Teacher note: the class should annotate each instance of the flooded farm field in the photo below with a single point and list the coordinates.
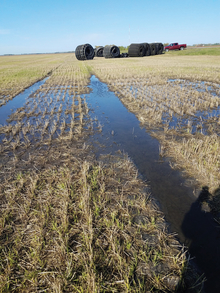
(115, 148)
(120, 130)
(177, 195)
(18, 101)
(182, 113)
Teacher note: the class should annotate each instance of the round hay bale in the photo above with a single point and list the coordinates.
(136, 50)
(153, 49)
(99, 51)
(84, 52)
(147, 49)
(159, 48)
(111, 51)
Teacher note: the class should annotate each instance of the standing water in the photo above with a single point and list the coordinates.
(18, 101)
(121, 130)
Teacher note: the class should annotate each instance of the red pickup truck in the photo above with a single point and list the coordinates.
(174, 46)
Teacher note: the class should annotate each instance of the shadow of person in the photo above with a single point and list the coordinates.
(203, 239)
(214, 204)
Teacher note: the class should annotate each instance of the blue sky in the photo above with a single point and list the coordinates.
(37, 26)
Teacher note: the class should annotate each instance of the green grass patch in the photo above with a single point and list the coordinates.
(196, 51)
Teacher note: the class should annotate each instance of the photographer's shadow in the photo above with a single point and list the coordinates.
(202, 231)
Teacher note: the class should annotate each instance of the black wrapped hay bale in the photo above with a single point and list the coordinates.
(136, 50)
(111, 52)
(147, 49)
(159, 48)
(153, 49)
(99, 51)
(84, 52)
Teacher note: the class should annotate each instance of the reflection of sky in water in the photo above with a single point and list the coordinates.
(121, 130)
(200, 86)
(199, 121)
(18, 101)
(50, 104)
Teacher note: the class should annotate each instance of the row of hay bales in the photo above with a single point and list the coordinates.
(87, 52)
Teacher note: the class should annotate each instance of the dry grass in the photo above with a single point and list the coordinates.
(88, 228)
(198, 155)
(19, 72)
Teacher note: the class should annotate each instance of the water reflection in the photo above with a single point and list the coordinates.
(18, 101)
(121, 130)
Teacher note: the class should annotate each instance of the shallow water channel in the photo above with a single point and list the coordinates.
(18, 101)
(177, 199)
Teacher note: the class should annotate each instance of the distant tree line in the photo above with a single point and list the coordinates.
(200, 45)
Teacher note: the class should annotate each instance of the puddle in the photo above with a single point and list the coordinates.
(121, 130)
(200, 119)
(200, 86)
(39, 115)
(18, 101)
(191, 106)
